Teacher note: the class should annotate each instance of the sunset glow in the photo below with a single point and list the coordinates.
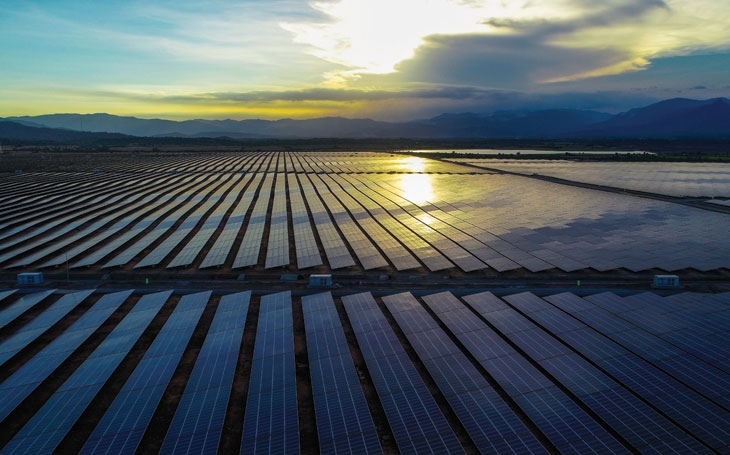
(379, 59)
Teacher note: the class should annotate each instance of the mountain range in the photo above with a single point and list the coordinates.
(676, 118)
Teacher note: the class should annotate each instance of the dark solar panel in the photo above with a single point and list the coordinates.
(416, 421)
(271, 423)
(344, 423)
(25, 380)
(49, 425)
(126, 419)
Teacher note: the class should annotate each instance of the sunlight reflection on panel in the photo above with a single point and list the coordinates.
(416, 188)
(425, 218)
(413, 164)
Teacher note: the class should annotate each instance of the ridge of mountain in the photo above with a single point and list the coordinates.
(672, 118)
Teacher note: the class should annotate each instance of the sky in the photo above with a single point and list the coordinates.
(389, 60)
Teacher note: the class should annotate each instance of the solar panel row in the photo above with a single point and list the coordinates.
(491, 424)
(127, 417)
(344, 424)
(198, 421)
(271, 422)
(277, 248)
(248, 252)
(599, 374)
(191, 220)
(41, 323)
(45, 430)
(416, 420)
(26, 379)
(20, 306)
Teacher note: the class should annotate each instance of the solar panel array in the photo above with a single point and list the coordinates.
(198, 421)
(418, 424)
(48, 426)
(492, 425)
(20, 306)
(434, 373)
(24, 381)
(344, 423)
(41, 323)
(673, 179)
(362, 210)
(271, 422)
(128, 416)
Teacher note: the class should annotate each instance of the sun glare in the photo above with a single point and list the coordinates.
(372, 37)
(413, 164)
(416, 188)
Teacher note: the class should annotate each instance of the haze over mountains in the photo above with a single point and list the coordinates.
(673, 118)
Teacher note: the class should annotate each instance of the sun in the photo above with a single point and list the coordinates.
(374, 36)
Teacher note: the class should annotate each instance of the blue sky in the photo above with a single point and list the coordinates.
(383, 59)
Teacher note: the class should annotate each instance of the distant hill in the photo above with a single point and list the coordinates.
(20, 132)
(674, 118)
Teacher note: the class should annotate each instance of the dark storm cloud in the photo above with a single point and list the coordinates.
(509, 62)
(522, 54)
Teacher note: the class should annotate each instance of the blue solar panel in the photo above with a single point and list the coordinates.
(416, 420)
(127, 417)
(49, 425)
(21, 384)
(673, 398)
(38, 326)
(564, 422)
(20, 306)
(344, 423)
(642, 426)
(591, 385)
(554, 413)
(271, 423)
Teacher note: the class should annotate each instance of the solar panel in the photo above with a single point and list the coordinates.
(391, 247)
(560, 419)
(212, 196)
(306, 244)
(277, 250)
(41, 323)
(49, 425)
(20, 306)
(192, 248)
(21, 384)
(93, 234)
(344, 423)
(248, 252)
(7, 293)
(386, 214)
(337, 253)
(416, 420)
(128, 416)
(626, 406)
(656, 387)
(271, 423)
(491, 424)
(366, 252)
(180, 204)
(223, 244)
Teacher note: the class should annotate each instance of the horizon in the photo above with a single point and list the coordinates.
(522, 111)
(347, 58)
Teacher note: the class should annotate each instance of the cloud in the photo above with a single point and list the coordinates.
(583, 39)
(397, 105)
